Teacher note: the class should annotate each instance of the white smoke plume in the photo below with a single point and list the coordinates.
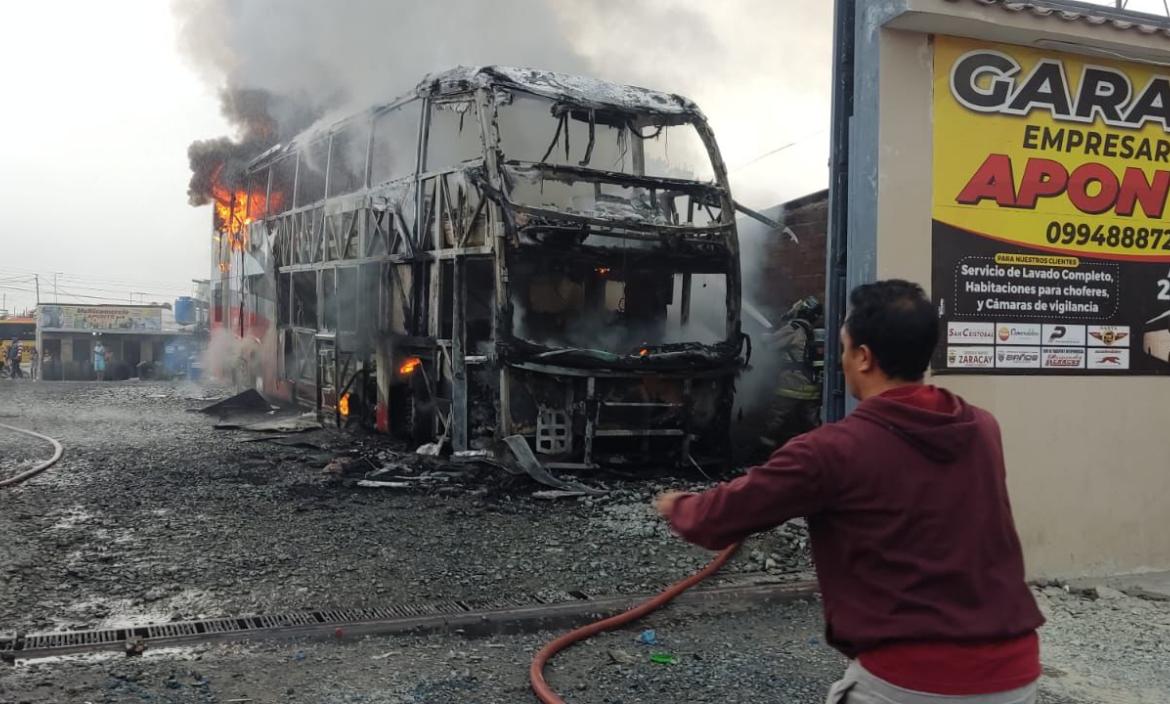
(758, 68)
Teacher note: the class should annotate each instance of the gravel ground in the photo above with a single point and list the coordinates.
(772, 654)
(153, 515)
(768, 655)
(1105, 646)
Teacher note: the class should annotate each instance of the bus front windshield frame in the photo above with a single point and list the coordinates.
(608, 164)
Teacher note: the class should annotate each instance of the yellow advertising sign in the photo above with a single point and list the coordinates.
(1050, 240)
(100, 318)
(1055, 152)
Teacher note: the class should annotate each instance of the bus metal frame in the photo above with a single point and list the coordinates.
(392, 267)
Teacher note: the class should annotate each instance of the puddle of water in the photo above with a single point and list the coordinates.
(124, 613)
(173, 653)
(71, 518)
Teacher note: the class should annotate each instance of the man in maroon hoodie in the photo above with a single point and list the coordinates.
(912, 535)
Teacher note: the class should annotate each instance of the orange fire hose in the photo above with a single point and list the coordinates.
(536, 672)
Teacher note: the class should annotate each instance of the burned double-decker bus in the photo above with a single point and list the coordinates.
(500, 252)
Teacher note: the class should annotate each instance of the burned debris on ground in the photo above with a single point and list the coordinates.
(152, 515)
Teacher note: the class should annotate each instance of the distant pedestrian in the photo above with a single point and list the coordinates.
(34, 364)
(14, 360)
(99, 360)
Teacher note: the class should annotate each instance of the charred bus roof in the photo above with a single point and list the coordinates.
(589, 93)
(579, 90)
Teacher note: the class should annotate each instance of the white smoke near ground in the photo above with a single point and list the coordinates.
(757, 384)
(221, 353)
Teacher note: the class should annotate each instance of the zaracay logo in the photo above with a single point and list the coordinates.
(989, 81)
(970, 357)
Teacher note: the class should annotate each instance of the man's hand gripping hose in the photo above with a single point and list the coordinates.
(536, 672)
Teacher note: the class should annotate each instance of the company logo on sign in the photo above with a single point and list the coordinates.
(970, 358)
(1105, 358)
(1056, 358)
(1017, 357)
(1108, 335)
(1018, 334)
(971, 333)
(1059, 334)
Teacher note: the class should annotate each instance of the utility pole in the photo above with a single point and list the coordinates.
(37, 280)
(55, 273)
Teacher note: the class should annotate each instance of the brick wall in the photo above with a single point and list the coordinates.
(777, 271)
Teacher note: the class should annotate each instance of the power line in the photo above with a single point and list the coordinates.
(121, 291)
(84, 278)
(777, 150)
(71, 294)
(128, 290)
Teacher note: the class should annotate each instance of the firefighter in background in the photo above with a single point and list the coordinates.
(796, 406)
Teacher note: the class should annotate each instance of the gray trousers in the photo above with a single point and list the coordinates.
(860, 686)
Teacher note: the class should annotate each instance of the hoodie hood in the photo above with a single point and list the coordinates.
(937, 423)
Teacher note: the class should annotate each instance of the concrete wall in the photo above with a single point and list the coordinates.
(1088, 457)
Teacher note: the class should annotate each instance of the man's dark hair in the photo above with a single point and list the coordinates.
(898, 323)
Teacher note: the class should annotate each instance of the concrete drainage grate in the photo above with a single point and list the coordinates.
(505, 612)
(42, 644)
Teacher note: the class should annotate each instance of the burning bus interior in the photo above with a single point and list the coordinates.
(503, 251)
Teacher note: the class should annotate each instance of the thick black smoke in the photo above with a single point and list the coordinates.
(253, 112)
(280, 65)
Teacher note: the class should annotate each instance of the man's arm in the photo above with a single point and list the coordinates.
(789, 484)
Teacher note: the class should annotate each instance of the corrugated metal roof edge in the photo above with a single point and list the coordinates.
(1071, 11)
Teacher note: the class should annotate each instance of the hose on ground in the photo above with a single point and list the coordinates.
(57, 452)
(542, 689)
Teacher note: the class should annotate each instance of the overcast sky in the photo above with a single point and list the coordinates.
(100, 104)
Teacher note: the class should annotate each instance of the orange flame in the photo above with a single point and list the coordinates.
(343, 405)
(409, 365)
(236, 208)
